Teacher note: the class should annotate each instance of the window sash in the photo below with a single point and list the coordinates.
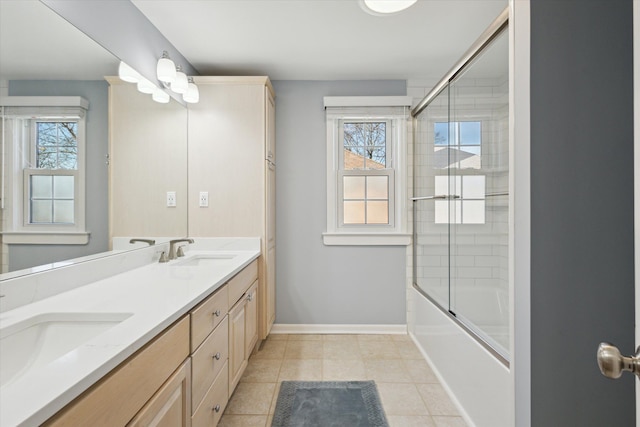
(390, 174)
(27, 198)
(389, 130)
(33, 146)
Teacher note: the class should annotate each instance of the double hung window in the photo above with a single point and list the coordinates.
(366, 170)
(44, 172)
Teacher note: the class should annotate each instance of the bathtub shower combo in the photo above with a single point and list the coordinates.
(459, 304)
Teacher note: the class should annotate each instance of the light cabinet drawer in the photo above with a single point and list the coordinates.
(208, 360)
(206, 316)
(239, 284)
(215, 401)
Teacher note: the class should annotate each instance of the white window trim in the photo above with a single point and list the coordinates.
(16, 230)
(368, 107)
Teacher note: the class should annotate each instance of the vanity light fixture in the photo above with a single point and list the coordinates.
(128, 74)
(181, 84)
(387, 6)
(145, 86)
(192, 95)
(159, 95)
(166, 69)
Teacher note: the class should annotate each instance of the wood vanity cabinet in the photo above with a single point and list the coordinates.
(232, 156)
(222, 339)
(184, 376)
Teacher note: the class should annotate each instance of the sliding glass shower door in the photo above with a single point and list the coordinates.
(461, 187)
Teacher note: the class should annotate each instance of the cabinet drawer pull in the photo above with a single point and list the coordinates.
(217, 356)
(216, 313)
(216, 408)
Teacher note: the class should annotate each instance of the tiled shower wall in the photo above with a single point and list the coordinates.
(478, 270)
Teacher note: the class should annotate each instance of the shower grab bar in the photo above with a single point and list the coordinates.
(496, 194)
(440, 197)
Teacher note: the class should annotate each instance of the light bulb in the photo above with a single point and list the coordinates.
(160, 96)
(128, 74)
(166, 69)
(181, 84)
(145, 86)
(192, 95)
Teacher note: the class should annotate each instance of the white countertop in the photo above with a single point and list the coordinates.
(155, 294)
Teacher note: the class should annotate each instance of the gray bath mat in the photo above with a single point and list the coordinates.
(329, 404)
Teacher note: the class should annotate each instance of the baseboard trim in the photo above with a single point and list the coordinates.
(284, 328)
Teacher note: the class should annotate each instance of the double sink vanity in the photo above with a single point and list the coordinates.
(141, 342)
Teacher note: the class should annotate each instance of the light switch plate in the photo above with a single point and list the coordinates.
(171, 199)
(204, 199)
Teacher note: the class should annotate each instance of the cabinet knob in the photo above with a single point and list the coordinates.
(216, 313)
(216, 356)
(216, 408)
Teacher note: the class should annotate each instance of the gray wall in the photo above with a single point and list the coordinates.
(96, 92)
(582, 280)
(318, 284)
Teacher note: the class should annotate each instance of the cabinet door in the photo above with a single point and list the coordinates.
(251, 319)
(171, 405)
(237, 359)
(270, 179)
(270, 303)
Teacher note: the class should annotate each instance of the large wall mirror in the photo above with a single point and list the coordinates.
(136, 149)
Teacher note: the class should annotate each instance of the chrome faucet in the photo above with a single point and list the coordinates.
(172, 247)
(150, 242)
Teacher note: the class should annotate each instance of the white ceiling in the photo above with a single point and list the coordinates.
(284, 39)
(320, 39)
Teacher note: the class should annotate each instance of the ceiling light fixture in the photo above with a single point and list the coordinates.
(387, 6)
(182, 83)
(166, 69)
(128, 74)
(192, 95)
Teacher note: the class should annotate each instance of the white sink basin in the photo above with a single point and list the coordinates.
(204, 259)
(41, 339)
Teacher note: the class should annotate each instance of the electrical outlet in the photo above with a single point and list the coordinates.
(204, 199)
(171, 199)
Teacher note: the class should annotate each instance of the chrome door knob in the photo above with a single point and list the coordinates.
(612, 363)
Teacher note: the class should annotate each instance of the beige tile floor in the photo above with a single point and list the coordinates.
(411, 394)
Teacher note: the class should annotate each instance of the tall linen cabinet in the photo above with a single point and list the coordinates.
(231, 156)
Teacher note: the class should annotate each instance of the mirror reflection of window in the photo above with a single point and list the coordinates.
(458, 146)
(51, 188)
